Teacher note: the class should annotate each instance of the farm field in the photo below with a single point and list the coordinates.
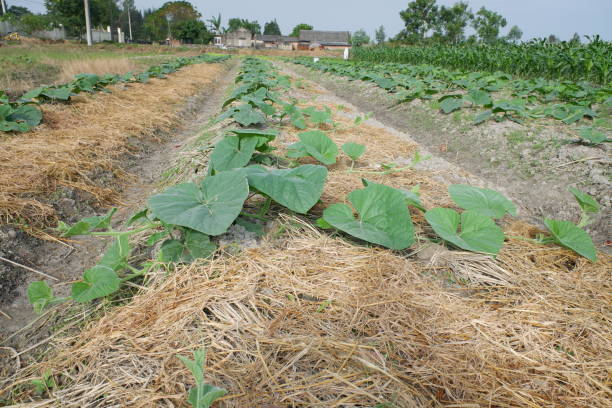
(32, 63)
(331, 233)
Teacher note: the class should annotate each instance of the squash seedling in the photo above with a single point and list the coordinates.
(354, 151)
(203, 395)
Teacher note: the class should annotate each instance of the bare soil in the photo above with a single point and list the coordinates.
(533, 164)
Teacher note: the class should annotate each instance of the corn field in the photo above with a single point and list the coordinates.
(566, 60)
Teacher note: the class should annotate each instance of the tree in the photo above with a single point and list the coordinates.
(419, 17)
(380, 35)
(35, 22)
(18, 11)
(215, 24)
(514, 34)
(552, 39)
(272, 28)
(359, 38)
(71, 13)
(300, 27)
(575, 39)
(192, 31)
(487, 24)
(452, 21)
(236, 23)
(161, 23)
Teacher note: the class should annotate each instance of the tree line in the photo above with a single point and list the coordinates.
(173, 20)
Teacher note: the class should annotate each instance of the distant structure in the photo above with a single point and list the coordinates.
(327, 40)
(308, 40)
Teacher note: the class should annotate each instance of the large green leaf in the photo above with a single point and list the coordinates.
(383, 217)
(210, 207)
(263, 136)
(353, 150)
(97, 282)
(319, 146)
(116, 256)
(570, 236)
(481, 200)
(451, 104)
(298, 189)
(318, 116)
(247, 116)
(479, 97)
(469, 231)
(233, 152)
(29, 114)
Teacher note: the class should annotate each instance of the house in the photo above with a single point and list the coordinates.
(239, 38)
(282, 42)
(328, 40)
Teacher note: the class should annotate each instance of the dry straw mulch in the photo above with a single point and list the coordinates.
(80, 144)
(390, 333)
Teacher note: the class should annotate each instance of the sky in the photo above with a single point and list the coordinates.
(536, 18)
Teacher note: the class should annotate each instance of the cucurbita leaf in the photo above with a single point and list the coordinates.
(97, 282)
(469, 231)
(29, 114)
(40, 295)
(232, 152)
(586, 202)
(383, 217)
(298, 189)
(570, 236)
(88, 224)
(194, 245)
(319, 146)
(353, 150)
(481, 200)
(209, 207)
(449, 105)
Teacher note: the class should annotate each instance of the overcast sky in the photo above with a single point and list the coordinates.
(537, 18)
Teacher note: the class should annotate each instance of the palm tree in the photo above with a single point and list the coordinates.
(215, 24)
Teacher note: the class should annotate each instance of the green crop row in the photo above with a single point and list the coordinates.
(572, 61)
(494, 96)
(23, 114)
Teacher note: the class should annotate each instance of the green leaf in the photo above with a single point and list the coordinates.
(318, 116)
(570, 236)
(298, 121)
(116, 256)
(449, 105)
(481, 200)
(412, 197)
(353, 150)
(40, 295)
(194, 245)
(591, 136)
(29, 114)
(469, 231)
(319, 146)
(97, 282)
(255, 228)
(88, 224)
(233, 152)
(479, 97)
(586, 202)
(483, 117)
(62, 94)
(298, 189)
(205, 395)
(247, 116)
(263, 137)
(383, 217)
(210, 207)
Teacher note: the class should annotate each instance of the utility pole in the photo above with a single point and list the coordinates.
(129, 12)
(87, 23)
(3, 6)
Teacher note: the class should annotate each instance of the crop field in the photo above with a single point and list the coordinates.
(276, 231)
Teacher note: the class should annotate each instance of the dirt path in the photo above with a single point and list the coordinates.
(68, 261)
(530, 163)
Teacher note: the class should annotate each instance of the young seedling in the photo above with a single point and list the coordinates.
(354, 151)
(44, 384)
(203, 395)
